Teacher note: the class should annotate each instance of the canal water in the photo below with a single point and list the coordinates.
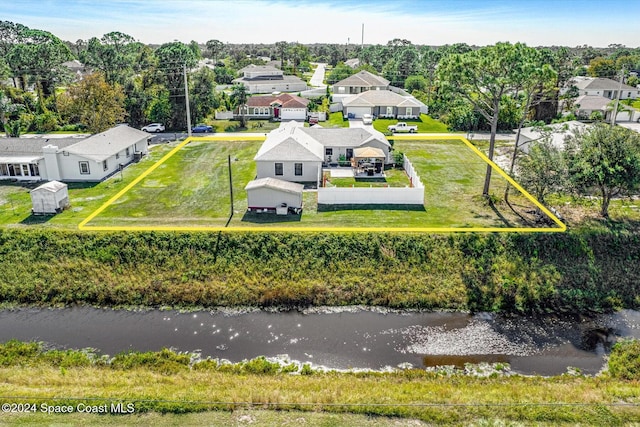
(336, 338)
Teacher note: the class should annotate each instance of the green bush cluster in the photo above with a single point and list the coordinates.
(624, 361)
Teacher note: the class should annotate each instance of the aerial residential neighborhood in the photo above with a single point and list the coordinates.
(319, 213)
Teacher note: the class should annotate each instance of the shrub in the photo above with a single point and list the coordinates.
(624, 361)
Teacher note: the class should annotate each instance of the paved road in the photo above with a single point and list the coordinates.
(318, 76)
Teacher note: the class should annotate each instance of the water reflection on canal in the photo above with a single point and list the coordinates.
(336, 338)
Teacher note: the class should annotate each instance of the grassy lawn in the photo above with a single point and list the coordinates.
(192, 189)
(393, 178)
(220, 126)
(336, 120)
(425, 125)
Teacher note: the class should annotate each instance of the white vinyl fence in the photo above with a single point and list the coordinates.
(376, 195)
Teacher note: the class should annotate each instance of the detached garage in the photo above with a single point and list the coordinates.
(49, 198)
(269, 194)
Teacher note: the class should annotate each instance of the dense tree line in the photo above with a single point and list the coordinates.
(151, 78)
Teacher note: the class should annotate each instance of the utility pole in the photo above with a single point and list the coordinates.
(614, 113)
(362, 41)
(186, 99)
(230, 188)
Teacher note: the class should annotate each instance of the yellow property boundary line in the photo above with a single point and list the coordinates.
(561, 227)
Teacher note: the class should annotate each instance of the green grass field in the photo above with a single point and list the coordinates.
(191, 189)
(425, 125)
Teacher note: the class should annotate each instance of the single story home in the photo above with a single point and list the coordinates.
(557, 134)
(284, 106)
(587, 104)
(268, 79)
(297, 153)
(271, 193)
(359, 82)
(87, 159)
(381, 103)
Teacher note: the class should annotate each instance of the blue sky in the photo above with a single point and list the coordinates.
(535, 22)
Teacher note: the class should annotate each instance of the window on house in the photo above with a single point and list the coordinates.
(35, 170)
(4, 170)
(127, 152)
(105, 166)
(25, 170)
(279, 169)
(84, 168)
(16, 169)
(328, 151)
(389, 111)
(409, 111)
(629, 95)
(117, 156)
(298, 169)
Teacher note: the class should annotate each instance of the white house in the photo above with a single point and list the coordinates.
(381, 103)
(297, 153)
(272, 193)
(587, 104)
(268, 79)
(359, 82)
(89, 159)
(284, 106)
(557, 133)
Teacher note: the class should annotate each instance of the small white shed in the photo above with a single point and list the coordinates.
(268, 194)
(49, 198)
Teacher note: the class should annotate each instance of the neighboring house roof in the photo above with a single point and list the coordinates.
(259, 68)
(285, 100)
(599, 83)
(307, 144)
(28, 147)
(380, 98)
(353, 63)
(103, 145)
(51, 186)
(558, 132)
(363, 79)
(275, 184)
(594, 102)
(269, 80)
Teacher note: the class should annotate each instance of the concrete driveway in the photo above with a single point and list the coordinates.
(357, 123)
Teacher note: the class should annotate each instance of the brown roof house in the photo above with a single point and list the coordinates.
(279, 107)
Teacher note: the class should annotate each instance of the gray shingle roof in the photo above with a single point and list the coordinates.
(276, 184)
(269, 79)
(600, 83)
(379, 98)
(363, 79)
(26, 146)
(103, 145)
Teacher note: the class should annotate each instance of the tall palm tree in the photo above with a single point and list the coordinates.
(239, 99)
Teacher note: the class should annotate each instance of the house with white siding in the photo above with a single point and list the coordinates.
(599, 86)
(381, 103)
(297, 154)
(88, 159)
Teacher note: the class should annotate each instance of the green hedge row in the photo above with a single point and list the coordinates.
(576, 271)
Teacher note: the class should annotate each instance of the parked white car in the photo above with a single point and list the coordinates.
(154, 128)
(402, 127)
(367, 119)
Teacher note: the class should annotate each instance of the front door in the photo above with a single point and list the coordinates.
(349, 153)
(276, 112)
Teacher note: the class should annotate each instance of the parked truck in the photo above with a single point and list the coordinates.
(402, 127)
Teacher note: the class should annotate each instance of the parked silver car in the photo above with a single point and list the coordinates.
(154, 128)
